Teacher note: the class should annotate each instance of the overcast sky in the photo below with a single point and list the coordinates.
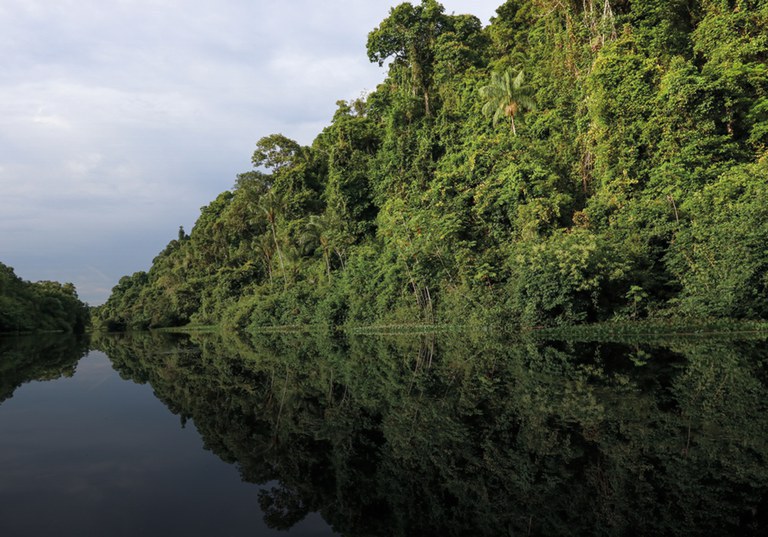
(119, 119)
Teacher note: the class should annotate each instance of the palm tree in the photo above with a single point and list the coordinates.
(507, 96)
(272, 205)
(266, 246)
(317, 230)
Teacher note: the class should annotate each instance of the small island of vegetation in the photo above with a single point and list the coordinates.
(571, 162)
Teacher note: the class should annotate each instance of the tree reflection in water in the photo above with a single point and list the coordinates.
(38, 357)
(468, 435)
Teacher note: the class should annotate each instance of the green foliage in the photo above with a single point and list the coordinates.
(409, 36)
(507, 96)
(45, 305)
(721, 257)
(570, 278)
(626, 195)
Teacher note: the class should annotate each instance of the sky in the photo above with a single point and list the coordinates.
(120, 119)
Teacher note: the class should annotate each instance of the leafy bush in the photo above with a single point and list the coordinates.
(721, 256)
(571, 277)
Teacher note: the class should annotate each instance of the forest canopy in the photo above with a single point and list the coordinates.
(573, 161)
(39, 306)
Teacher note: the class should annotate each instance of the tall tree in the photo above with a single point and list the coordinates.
(409, 36)
(271, 205)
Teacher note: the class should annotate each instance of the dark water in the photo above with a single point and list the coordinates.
(425, 435)
(91, 454)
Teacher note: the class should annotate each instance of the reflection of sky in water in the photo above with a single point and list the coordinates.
(96, 455)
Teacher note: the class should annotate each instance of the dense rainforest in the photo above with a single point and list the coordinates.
(574, 161)
(39, 306)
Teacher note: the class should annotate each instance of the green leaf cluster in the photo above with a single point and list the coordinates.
(39, 306)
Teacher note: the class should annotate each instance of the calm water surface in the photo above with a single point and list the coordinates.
(424, 435)
(91, 454)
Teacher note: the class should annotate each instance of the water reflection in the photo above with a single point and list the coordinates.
(91, 454)
(39, 357)
(476, 436)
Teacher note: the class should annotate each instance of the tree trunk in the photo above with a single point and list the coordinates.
(279, 254)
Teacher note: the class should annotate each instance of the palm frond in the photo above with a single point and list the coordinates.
(506, 96)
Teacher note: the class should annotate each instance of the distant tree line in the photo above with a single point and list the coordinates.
(573, 161)
(40, 306)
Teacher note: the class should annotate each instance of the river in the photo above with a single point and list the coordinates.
(447, 434)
